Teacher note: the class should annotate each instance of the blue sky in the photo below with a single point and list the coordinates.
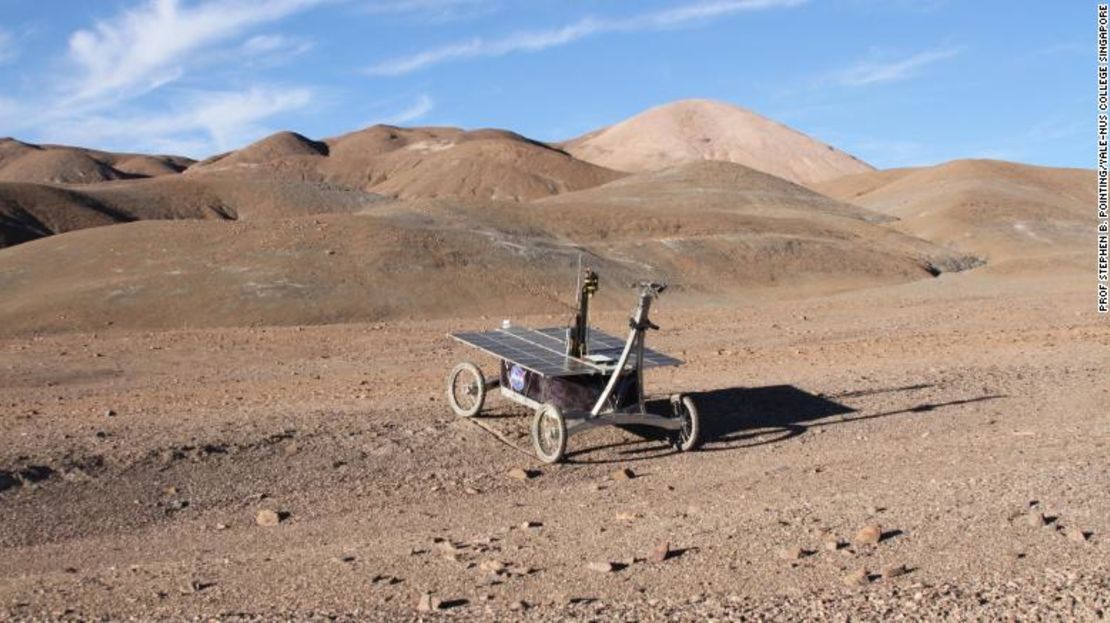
(895, 82)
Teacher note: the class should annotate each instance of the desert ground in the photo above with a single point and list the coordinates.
(224, 382)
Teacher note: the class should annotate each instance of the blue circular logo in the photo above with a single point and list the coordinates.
(516, 378)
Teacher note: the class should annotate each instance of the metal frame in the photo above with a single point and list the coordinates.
(581, 421)
(585, 393)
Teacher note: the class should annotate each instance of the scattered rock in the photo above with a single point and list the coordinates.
(831, 543)
(428, 603)
(530, 524)
(492, 566)
(869, 535)
(661, 553)
(892, 571)
(858, 577)
(110, 413)
(267, 517)
(625, 516)
(472, 491)
(1077, 535)
(601, 567)
(623, 474)
(792, 553)
(1035, 519)
(517, 473)
(518, 606)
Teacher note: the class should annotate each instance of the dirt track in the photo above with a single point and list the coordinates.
(944, 410)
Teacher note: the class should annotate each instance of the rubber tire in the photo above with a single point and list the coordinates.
(466, 366)
(561, 424)
(693, 440)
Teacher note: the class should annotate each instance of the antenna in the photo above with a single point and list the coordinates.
(578, 280)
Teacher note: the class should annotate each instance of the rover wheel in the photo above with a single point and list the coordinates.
(466, 389)
(549, 434)
(689, 436)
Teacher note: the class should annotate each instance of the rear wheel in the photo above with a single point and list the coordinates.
(688, 437)
(549, 434)
(466, 389)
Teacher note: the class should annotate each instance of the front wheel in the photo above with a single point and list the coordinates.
(549, 434)
(687, 438)
(466, 389)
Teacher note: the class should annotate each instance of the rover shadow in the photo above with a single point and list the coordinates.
(744, 417)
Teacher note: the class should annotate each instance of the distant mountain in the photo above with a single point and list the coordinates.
(59, 164)
(696, 129)
(417, 163)
(995, 209)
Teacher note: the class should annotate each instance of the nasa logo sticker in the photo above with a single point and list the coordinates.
(516, 378)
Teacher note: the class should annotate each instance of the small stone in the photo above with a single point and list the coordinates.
(601, 567)
(831, 543)
(428, 603)
(1077, 535)
(518, 606)
(856, 578)
(892, 571)
(472, 491)
(661, 553)
(792, 553)
(492, 566)
(625, 516)
(869, 535)
(267, 518)
(1035, 519)
(623, 474)
(110, 413)
(517, 473)
(221, 526)
(527, 525)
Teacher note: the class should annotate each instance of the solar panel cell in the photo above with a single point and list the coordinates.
(544, 351)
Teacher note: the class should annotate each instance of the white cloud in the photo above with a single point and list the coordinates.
(532, 41)
(201, 124)
(146, 47)
(421, 107)
(8, 51)
(875, 72)
(436, 8)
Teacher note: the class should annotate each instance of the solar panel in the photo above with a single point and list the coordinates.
(601, 343)
(544, 351)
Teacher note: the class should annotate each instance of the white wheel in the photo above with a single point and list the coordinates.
(466, 389)
(549, 434)
(689, 436)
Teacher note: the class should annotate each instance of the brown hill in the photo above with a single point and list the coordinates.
(60, 164)
(30, 211)
(715, 231)
(418, 162)
(999, 210)
(736, 227)
(691, 130)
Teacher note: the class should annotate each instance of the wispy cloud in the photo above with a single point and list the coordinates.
(115, 91)
(417, 110)
(200, 122)
(879, 71)
(436, 9)
(8, 51)
(151, 45)
(533, 41)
